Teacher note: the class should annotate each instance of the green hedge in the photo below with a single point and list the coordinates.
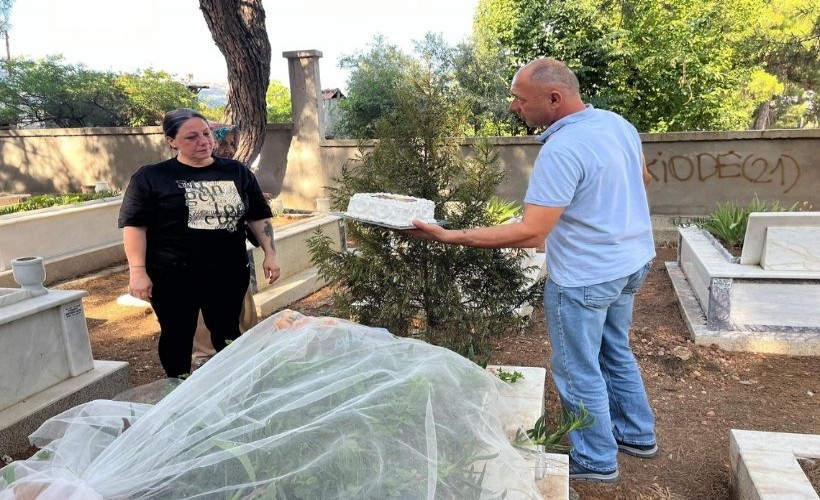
(51, 200)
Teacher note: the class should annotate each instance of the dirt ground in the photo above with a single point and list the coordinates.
(699, 393)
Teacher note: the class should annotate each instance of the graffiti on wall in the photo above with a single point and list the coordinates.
(782, 171)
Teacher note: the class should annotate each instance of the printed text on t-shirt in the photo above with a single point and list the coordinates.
(212, 204)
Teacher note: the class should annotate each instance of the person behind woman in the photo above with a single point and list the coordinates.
(183, 223)
(226, 138)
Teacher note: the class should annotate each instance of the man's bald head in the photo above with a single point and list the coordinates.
(549, 72)
(544, 91)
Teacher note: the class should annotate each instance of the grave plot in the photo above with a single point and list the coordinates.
(46, 359)
(766, 301)
(298, 407)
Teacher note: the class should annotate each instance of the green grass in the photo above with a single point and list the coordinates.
(51, 200)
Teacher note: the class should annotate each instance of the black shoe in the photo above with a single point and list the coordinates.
(638, 450)
(580, 473)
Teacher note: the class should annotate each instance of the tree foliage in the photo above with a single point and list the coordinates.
(674, 65)
(53, 93)
(671, 65)
(376, 76)
(452, 295)
(214, 114)
(475, 78)
(684, 65)
(279, 106)
(786, 43)
(62, 95)
(459, 72)
(150, 94)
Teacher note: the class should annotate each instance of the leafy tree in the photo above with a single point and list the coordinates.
(493, 30)
(486, 88)
(454, 296)
(786, 42)
(376, 76)
(238, 28)
(463, 74)
(671, 65)
(683, 66)
(150, 94)
(439, 61)
(278, 102)
(53, 93)
(796, 109)
(460, 73)
(5, 26)
(212, 113)
(763, 87)
(60, 95)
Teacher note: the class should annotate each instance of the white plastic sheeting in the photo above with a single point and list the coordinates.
(297, 408)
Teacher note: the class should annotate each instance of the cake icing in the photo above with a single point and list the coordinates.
(391, 209)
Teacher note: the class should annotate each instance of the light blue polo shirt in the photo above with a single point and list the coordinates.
(591, 164)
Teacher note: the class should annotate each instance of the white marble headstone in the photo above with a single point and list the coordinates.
(791, 249)
(760, 222)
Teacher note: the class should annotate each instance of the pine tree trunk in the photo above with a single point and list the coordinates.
(238, 28)
(763, 116)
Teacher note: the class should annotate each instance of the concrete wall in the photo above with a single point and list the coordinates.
(691, 171)
(63, 160)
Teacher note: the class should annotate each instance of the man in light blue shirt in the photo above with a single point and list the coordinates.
(587, 199)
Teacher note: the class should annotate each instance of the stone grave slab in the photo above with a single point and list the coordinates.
(765, 466)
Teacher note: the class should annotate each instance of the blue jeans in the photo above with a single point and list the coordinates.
(592, 364)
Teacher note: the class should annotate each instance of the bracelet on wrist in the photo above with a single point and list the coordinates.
(136, 266)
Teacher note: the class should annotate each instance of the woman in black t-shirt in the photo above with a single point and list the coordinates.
(183, 224)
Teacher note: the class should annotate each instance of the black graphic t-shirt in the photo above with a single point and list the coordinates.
(194, 217)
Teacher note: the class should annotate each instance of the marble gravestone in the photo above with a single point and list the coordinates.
(765, 301)
(783, 241)
(47, 362)
(45, 341)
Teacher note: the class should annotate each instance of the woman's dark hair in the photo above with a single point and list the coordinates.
(174, 119)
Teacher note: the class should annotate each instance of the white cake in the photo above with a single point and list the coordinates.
(390, 209)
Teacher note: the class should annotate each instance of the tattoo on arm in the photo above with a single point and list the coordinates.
(268, 230)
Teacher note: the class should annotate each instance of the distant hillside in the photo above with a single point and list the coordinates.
(215, 95)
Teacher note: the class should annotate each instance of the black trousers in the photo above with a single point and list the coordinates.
(178, 296)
